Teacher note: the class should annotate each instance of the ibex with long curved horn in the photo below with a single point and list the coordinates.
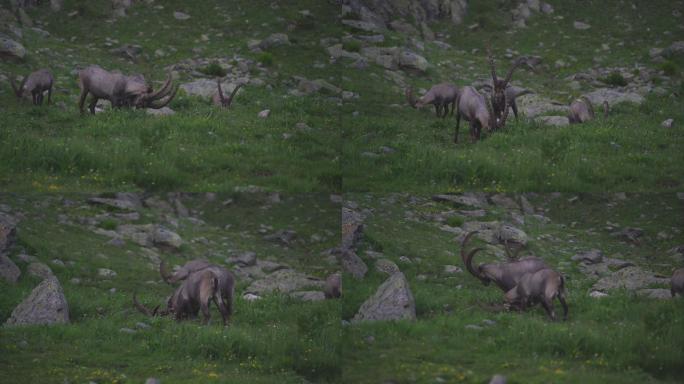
(36, 84)
(511, 94)
(581, 110)
(477, 110)
(441, 96)
(122, 90)
(543, 287)
(220, 100)
(333, 286)
(504, 275)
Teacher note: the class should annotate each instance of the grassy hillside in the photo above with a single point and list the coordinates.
(627, 151)
(200, 147)
(275, 339)
(463, 335)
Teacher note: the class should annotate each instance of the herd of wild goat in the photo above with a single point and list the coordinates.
(121, 90)
(489, 113)
(202, 283)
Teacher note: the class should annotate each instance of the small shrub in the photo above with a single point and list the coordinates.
(109, 224)
(454, 221)
(615, 79)
(669, 68)
(265, 58)
(213, 69)
(352, 46)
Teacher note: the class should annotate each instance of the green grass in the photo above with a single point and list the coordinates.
(618, 339)
(200, 148)
(276, 339)
(626, 151)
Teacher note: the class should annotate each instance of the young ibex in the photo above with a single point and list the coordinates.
(36, 84)
(441, 96)
(477, 110)
(226, 281)
(677, 282)
(220, 100)
(333, 286)
(543, 287)
(581, 110)
(504, 275)
(121, 90)
(193, 295)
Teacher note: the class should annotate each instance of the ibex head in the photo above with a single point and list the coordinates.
(141, 95)
(18, 91)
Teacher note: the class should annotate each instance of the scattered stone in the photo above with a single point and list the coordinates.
(250, 297)
(264, 114)
(498, 379)
(593, 256)
(554, 121)
(118, 203)
(474, 327)
(580, 25)
(488, 322)
(467, 199)
(152, 380)
(8, 270)
(353, 264)
(164, 111)
(628, 234)
(45, 305)
(141, 325)
(181, 16)
(597, 294)
(164, 238)
(106, 273)
(386, 266)
(128, 51)
(362, 25)
(39, 270)
(392, 301)
(244, 259)
(412, 60)
(667, 123)
(661, 294)
(274, 40)
(58, 262)
(284, 281)
(630, 278)
(308, 295)
(612, 96)
(283, 236)
(127, 330)
(452, 269)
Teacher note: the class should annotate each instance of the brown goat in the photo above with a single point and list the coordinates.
(36, 84)
(542, 286)
(121, 90)
(677, 282)
(441, 96)
(220, 100)
(498, 98)
(333, 286)
(477, 110)
(504, 275)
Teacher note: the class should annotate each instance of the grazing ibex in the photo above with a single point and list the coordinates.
(220, 100)
(441, 96)
(677, 282)
(121, 90)
(542, 286)
(226, 281)
(333, 286)
(194, 294)
(511, 93)
(504, 275)
(36, 84)
(582, 111)
(477, 110)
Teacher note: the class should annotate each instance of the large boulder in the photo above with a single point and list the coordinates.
(410, 60)
(284, 281)
(207, 87)
(630, 278)
(8, 270)
(382, 12)
(45, 305)
(353, 264)
(392, 301)
(613, 97)
(10, 49)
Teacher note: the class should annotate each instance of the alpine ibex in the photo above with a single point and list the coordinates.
(441, 96)
(581, 110)
(36, 84)
(504, 275)
(220, 100)
(226, 281)
(499, 100)
(194, 294)
(477, 110)
(333, 286)
(677, 282)
(121, 90)
(542, 286)
(511, 93)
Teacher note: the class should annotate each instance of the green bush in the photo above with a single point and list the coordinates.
(109, 224)
(265, 58)
(454, 221)
(213, 69)
(615, 79)
(352, 46)
(669, 68)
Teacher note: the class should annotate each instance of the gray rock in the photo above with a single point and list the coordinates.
(466, 199)
(474, 327)
(410, 60)
(580, 25)
(546, 8)
(56, 5)
(283, 236)
(152, 380)
(452, 269)
(264, 114)
(504, 201)
(630, 278)
(164, 238)
(628, 234)
(308, 295)
(667, 123)
(127, 330)
(8, 231)
(392, 301)
(352, 228)
(122, 204)
(386, 266)
(498, 379)
(39, 270)
(597, 294)
(181, 16)
(164, 111)
(244, 259)
(613, 97)
(128, 51)
(535, 105)
(45, 305)
(661, 294)
(677, 48)
(593, 256)
(106, 273)
(207, 87)
(336, 51)
(554, 121)
(284, 281)
(274, 40)
(8, 270)
(353, 264)
(362, 25)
